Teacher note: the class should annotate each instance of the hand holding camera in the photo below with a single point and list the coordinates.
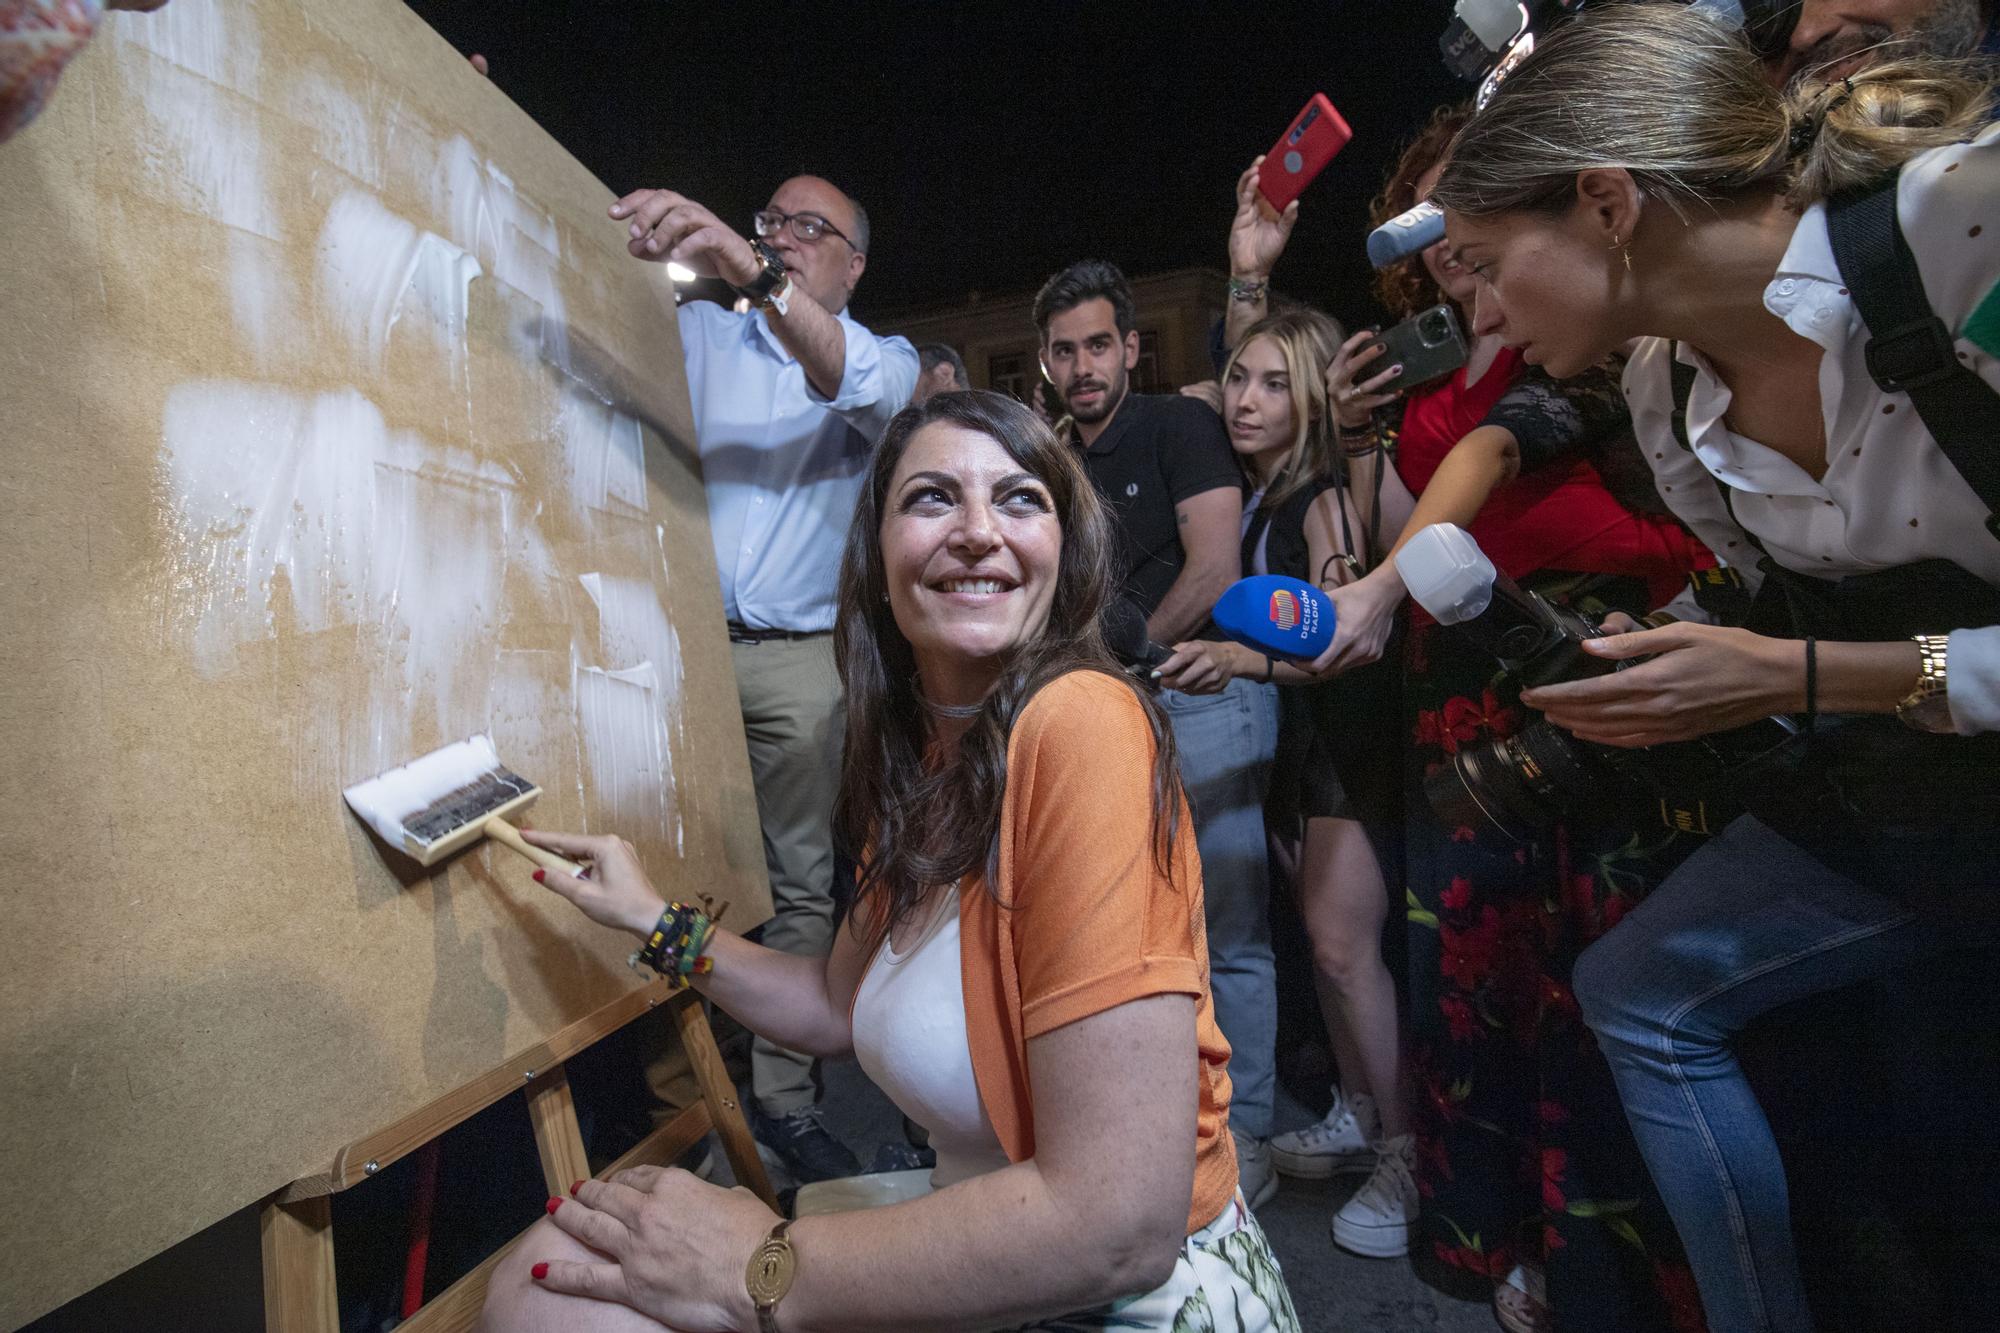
(1701, 679)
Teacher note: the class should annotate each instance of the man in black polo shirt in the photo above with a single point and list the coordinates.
(1165, 465)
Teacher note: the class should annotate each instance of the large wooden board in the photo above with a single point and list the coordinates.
(338, 425)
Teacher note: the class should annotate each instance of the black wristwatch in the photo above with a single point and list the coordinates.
(759, 288)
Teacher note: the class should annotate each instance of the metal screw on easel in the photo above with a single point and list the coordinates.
(371, 1168)
(528, 1077)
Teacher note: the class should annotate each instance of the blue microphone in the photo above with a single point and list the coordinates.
(1284, 617)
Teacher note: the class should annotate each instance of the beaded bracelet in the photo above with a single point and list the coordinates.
(1248, 289)
(678, 947)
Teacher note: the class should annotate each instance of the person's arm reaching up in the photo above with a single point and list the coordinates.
(668, 226)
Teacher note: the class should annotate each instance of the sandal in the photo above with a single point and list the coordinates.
(1520, 1302)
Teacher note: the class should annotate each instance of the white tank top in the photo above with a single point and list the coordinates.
(909, 1036)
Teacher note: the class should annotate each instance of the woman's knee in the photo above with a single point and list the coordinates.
(516, 1303)
(1346, 957)
(1602, 981)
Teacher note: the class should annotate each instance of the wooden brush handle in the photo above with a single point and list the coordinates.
(501, 831)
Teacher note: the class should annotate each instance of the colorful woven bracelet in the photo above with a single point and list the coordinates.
(678, 944)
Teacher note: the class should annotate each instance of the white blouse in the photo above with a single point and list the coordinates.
(1889, 495)
(909, 1038)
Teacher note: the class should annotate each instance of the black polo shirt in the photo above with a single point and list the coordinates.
(1158, 450)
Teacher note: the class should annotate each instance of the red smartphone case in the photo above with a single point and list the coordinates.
(1315, 135)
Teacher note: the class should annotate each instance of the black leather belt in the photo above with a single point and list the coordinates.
(744, 634)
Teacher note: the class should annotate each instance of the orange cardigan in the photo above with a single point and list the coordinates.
(1090, 923)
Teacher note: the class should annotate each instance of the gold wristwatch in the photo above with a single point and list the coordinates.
(770, 1275)
(1928, 707)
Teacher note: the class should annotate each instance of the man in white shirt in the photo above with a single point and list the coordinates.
(789, 399)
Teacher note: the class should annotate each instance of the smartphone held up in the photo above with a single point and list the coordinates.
(1315, 135)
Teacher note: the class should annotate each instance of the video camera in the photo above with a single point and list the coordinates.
(1525, 782)
(1487, 41)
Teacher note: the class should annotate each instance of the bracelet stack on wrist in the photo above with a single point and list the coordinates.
(1360, 442)
(1248, 289)
(678, 947)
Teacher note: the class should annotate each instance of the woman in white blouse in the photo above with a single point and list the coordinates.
(1638, 178)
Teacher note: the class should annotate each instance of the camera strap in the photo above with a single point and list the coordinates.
(1909, 349)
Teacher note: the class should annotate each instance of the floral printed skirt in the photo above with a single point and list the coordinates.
(1226, 1280)
(1524, 1153)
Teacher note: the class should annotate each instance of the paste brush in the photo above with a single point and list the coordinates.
(448, 800)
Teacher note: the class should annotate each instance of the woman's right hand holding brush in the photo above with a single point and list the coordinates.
(617, 894)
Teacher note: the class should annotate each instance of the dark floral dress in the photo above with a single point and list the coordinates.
(1524, 1153)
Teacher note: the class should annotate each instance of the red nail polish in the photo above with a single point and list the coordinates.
(555, 1202)
(539, 876)
(538, 1272)
(574, 1186)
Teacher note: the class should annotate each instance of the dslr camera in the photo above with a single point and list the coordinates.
(1524, 783)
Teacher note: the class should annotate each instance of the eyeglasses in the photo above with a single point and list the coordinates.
(805, 227)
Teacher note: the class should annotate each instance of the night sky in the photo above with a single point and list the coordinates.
(990, 143)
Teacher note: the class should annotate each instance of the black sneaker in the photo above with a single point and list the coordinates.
(804, 1145)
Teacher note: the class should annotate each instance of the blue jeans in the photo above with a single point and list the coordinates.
(1226, 742)
(1746, 924)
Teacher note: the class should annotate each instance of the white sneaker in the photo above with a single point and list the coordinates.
(1376, 1221)
(1335, 1146)
(1253, 1170)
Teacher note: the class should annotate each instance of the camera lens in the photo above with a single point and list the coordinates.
(1518, 785)
(1433, 329)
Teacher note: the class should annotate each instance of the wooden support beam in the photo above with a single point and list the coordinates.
(298, 1266)
(719, 1091)
(558, 1137)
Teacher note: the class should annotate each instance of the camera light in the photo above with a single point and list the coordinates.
(680, 272)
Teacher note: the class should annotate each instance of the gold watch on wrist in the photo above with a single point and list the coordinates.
(1928, 706)
(770, 1275)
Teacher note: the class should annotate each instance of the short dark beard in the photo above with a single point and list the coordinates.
(1114, 394)
(1953, 30)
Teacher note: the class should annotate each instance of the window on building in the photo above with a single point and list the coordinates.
(1146, 376)
(1013, 373)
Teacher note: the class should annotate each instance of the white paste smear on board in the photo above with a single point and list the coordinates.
(605, 452)
(206, 153)
(630, 710)
(198, 37)
(343, 132)
(375, 267)
(364, 526)
(518, 243)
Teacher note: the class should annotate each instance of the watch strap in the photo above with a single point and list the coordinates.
(770, 1275)
(1922, 706)
(760, 287)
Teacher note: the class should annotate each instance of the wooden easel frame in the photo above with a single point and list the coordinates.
(296, 1224)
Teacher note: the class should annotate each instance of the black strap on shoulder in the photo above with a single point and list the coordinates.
(1910, 351)
(1683, 385)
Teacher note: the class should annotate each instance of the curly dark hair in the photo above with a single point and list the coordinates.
(914, 826)
(1405, 287)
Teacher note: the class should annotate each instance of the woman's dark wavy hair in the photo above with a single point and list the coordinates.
(913, 826)
(1406, 286)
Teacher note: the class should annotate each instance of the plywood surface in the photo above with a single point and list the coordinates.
(338, 425)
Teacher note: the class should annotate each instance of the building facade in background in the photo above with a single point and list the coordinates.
(997, 337)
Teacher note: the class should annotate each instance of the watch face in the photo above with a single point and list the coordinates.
(771, 1268)
(1932, 714)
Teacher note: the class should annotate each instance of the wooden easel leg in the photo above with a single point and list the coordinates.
(558, 1136)
(720, 1094)
(298, 1267)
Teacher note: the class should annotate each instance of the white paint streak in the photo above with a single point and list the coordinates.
(342, 130)
(311, 509)
(630, 710)
(206, 153)
(264, 299)
(195, 36)
(519, 244)
(605, 452)
(374, 267)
